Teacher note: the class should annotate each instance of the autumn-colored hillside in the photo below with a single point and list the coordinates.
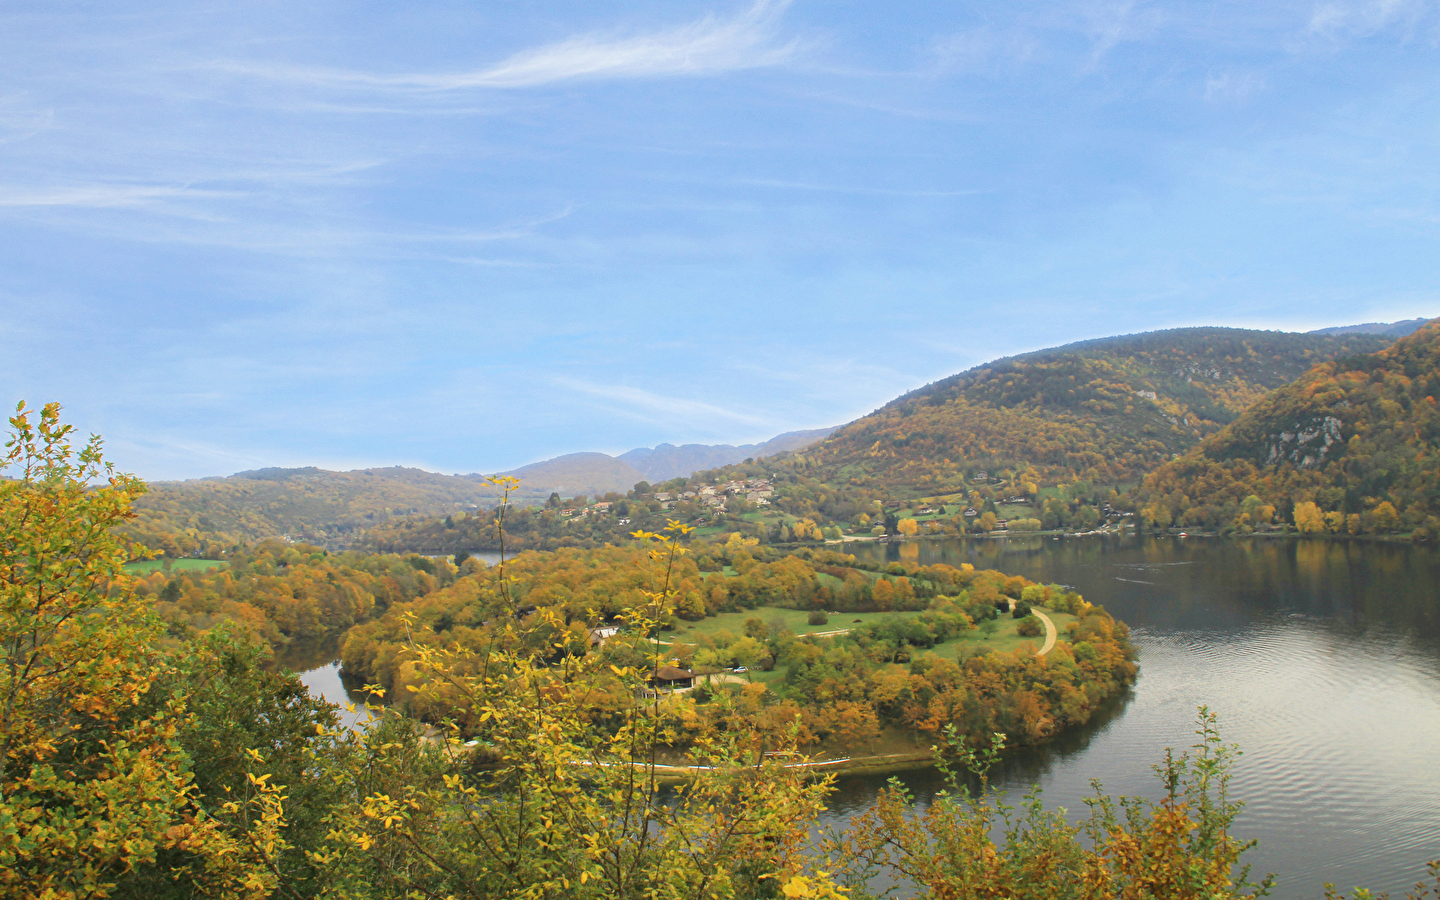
(1353, 446)
(211, 515)
(1104, 411)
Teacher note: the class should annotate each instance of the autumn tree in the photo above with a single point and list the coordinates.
(94, 779)
(1309, 519)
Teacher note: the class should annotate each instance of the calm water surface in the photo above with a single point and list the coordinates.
(1321, 658)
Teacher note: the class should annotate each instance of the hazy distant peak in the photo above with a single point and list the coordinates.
(598, 473)
(586, 472)
(1390, 329)
(277, 473)
(665, 461)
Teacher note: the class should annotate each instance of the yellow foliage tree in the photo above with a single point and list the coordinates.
(1309, 519)
(1385, 517)
(93, 780)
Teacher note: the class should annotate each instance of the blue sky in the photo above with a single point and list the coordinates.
(469, 236)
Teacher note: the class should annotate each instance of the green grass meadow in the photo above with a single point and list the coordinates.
(794, 619)
(1002, 640)
(147, 566)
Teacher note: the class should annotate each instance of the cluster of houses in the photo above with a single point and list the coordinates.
(577, 514)
(756, 490)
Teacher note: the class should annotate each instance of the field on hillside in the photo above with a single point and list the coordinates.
(1001, 640)
(146, 566)
(794, 619)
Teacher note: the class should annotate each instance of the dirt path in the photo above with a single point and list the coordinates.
(1050, 633)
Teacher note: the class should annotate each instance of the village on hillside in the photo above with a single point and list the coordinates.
(756, 491)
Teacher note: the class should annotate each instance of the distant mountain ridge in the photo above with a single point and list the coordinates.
(1389, 329)
(579, 473)
(666, 461)
(600, 473)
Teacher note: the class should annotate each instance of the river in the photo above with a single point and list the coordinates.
(1321, 658)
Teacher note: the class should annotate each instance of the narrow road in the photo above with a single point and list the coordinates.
(1050, 633)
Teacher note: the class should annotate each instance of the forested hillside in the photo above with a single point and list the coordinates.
(287, 594)
(1054, 439)
(211, 515)
(1353, 446)
(1103, 411)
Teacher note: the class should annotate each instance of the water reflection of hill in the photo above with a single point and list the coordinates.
(1215, 582)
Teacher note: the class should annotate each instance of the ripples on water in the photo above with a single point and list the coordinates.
(1322, 660)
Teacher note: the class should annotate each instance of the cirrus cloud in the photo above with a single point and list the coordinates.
(709, 46)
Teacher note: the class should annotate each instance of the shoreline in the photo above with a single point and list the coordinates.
(1006, 535)
(878, 764)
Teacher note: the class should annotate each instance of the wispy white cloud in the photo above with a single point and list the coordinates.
(660, 408)
(1108, 24)
(517, 229)
(1339, 19)
(101, 196)
(709, 46)
(859, 189)
(19, 120)
(984, 50)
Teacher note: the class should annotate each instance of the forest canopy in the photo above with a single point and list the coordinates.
(1352, 447)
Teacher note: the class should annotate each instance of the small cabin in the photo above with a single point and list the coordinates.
(673, 678)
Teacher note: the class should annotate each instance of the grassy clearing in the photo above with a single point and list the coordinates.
(146, 566)
(794, 619)
(1016, 511)
(1004, 639)
(774, 680)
